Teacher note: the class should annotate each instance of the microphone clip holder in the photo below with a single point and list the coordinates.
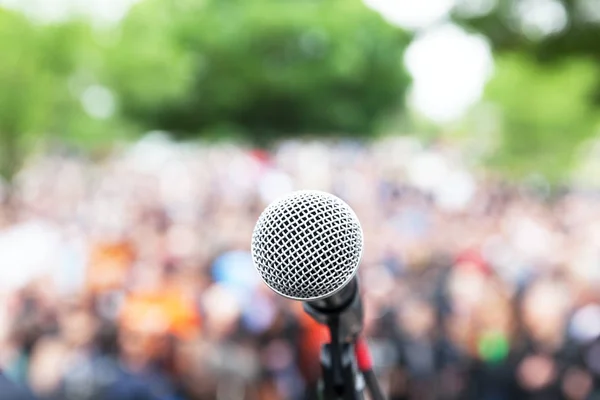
(345, 309)
(341, 379)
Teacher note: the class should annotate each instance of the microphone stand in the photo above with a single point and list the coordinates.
(341, 377)
(341, 380)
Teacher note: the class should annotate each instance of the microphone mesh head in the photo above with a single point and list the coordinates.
(307, 245)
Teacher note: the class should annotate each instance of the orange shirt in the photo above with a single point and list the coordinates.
(109, 265)
(159, 313)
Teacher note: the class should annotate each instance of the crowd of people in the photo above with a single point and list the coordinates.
(130, 276)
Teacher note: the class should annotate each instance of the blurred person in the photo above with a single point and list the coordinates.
(545, 351)
(32, 316)
(492, 331)
(279, 354)
(11, 391)
(78, 365)
(418, 350)
(141, 373)
(581, 379)
(154, 317)
(109, 264)
(234, 345)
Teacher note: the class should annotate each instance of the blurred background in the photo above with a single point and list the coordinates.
(140, 140)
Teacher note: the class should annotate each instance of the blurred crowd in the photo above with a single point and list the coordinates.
(130, 276)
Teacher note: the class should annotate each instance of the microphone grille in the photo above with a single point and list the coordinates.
(307, 245)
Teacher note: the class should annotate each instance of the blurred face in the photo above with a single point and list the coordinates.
(222, 311)
(467, 287)
(78, 328)
(458, 328)
(418, 318)
(544, 311)
(138, 347)
(494, 312)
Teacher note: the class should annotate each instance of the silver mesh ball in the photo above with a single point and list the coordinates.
(307, 245)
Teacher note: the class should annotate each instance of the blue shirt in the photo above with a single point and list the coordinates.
(12, 391)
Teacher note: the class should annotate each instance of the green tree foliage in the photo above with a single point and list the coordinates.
(546, 113)
(20, 97)
(267, 67)
(35, 64)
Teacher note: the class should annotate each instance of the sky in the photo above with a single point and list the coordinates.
(449, 66)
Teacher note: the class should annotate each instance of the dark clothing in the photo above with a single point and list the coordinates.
(492, 381)
(103, 378)
(130, 387)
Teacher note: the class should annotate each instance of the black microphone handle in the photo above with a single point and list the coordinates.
(345, 307)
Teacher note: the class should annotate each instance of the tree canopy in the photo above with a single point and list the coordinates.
(550, 30)
(44, 69)
(546, 83)
(267, 67)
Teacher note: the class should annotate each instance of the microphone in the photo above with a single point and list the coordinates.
(307, 246)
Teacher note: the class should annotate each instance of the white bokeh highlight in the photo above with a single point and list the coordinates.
(450, 69)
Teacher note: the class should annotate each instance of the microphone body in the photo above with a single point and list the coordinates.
(345, 306)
